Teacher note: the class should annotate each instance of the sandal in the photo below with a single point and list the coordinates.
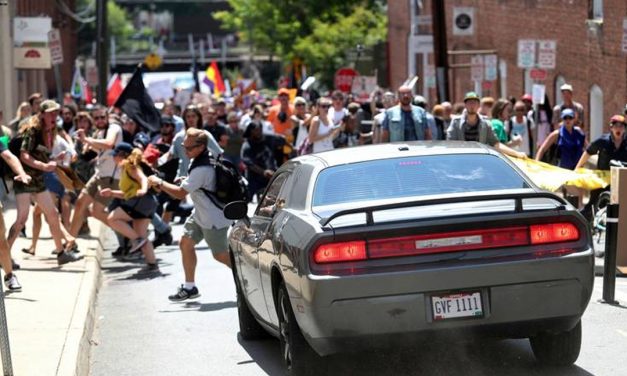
(71, 246)
(28, 250)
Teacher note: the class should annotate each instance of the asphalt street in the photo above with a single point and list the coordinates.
(139, 332)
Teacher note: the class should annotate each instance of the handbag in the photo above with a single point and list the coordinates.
(305, 147)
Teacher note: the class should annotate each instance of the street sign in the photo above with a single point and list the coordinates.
(538, 74)
(625, 35)
(152, 61)
(54, 42)
(546, 54)
(526, 53)
(463, 21)
(429, 76)
(476, 69)
(490, 63)
(344, 78)
(91, 72)
(537, 93)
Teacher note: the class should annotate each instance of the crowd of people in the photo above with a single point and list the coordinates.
(69, 162)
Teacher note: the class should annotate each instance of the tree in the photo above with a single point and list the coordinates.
(119, 26)
(321, 33)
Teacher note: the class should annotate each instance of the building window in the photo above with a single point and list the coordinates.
(595, 10)
(596, 112)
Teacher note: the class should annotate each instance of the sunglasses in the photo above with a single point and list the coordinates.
(190, 148)
(99, 117)
(325, 106)
(299, 104)
(568, 118)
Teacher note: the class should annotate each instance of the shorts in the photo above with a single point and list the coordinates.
(215, 238)
(96, 184)
(53, 184)
(36, 185)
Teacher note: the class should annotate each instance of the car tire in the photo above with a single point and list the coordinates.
(561, 349)
(298, 357)
(249, 327)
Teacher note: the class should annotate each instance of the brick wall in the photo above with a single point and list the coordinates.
(586, 54)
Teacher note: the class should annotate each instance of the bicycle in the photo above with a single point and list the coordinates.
(599, 217)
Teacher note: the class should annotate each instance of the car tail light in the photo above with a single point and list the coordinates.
(340, 252)
(448, 242)
(451, 242)
(553, 233)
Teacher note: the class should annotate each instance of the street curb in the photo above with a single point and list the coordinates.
(75, 358)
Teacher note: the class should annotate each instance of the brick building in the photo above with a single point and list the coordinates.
(588, 34)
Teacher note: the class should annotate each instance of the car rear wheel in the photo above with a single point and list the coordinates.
(249, 327)
(299, 358)
(561, 349)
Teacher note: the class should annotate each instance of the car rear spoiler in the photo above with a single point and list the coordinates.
(518, 195)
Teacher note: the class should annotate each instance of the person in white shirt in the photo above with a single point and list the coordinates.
(520, 130)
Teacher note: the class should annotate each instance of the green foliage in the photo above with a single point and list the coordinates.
(321, 33)
(119, 25)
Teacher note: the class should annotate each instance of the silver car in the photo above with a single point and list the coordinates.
(388, 243)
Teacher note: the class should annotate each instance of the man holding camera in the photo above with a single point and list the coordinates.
(279, 115)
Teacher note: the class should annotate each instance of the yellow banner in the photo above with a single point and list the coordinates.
(552, 178)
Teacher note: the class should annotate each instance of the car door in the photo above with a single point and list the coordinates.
(259, 242)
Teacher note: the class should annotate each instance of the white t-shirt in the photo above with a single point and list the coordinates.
(519, 130)
(105, 165)
(327, 142)
(337, 116)
(61, 145)
(206, 213)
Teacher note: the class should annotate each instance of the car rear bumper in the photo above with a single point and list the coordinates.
(519, 299)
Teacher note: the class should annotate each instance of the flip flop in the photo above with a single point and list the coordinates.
(27, 250)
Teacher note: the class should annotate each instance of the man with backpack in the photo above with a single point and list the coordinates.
(207, 220)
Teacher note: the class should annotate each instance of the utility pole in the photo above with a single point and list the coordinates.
(440, 49)
(101, 49)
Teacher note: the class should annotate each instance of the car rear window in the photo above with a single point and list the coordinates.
(414, 176)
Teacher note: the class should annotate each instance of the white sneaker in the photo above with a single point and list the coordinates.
(12, 283)
(137, 245)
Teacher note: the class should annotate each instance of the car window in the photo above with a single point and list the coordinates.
(414, 176)
(266, 206)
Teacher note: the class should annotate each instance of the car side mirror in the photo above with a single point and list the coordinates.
(236, 210)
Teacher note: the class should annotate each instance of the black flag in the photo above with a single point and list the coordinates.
(137, 104)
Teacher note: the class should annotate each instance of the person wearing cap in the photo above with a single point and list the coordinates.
(207, 221)
(279, 114)
(405, 122)
(166, 132)
(569, 139)
(610, 146)
(37, 143)
(137, 203)
(568, 102)
(106, 172)
(472, 127)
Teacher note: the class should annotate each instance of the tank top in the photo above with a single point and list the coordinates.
(326, 143)
(128, 185)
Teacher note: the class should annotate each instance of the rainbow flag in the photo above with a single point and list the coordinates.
(213, 79)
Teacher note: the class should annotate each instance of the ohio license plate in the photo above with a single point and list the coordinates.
(451, 306)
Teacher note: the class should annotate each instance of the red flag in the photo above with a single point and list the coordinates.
(114, 89)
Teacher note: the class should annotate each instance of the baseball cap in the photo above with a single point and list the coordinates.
(526, 97)
(283, 91)
(566, 87)
(300, 100)
(141, 140)
(617, 119)
(567, 112)
(49, 106)
(252, 126)
(165, 119)
(122, 147)
(471, 95)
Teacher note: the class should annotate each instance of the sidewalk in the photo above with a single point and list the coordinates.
(50, 321)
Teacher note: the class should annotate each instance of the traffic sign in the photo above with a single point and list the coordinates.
(476, 69)
(526, 53)
(490, 63)
(463, 21)
(538, 74)
(152, 61)
(54, 42)
(344, 78)
(546, 54)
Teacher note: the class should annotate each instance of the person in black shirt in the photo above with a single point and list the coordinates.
(259, 158)
(610, 146)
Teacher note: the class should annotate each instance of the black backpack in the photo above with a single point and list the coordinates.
(230, 185)
(15, 144)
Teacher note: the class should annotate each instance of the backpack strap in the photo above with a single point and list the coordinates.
(530, 135)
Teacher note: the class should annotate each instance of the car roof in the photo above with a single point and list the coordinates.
(400, 149)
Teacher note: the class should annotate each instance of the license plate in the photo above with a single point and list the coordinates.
(451, 306)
